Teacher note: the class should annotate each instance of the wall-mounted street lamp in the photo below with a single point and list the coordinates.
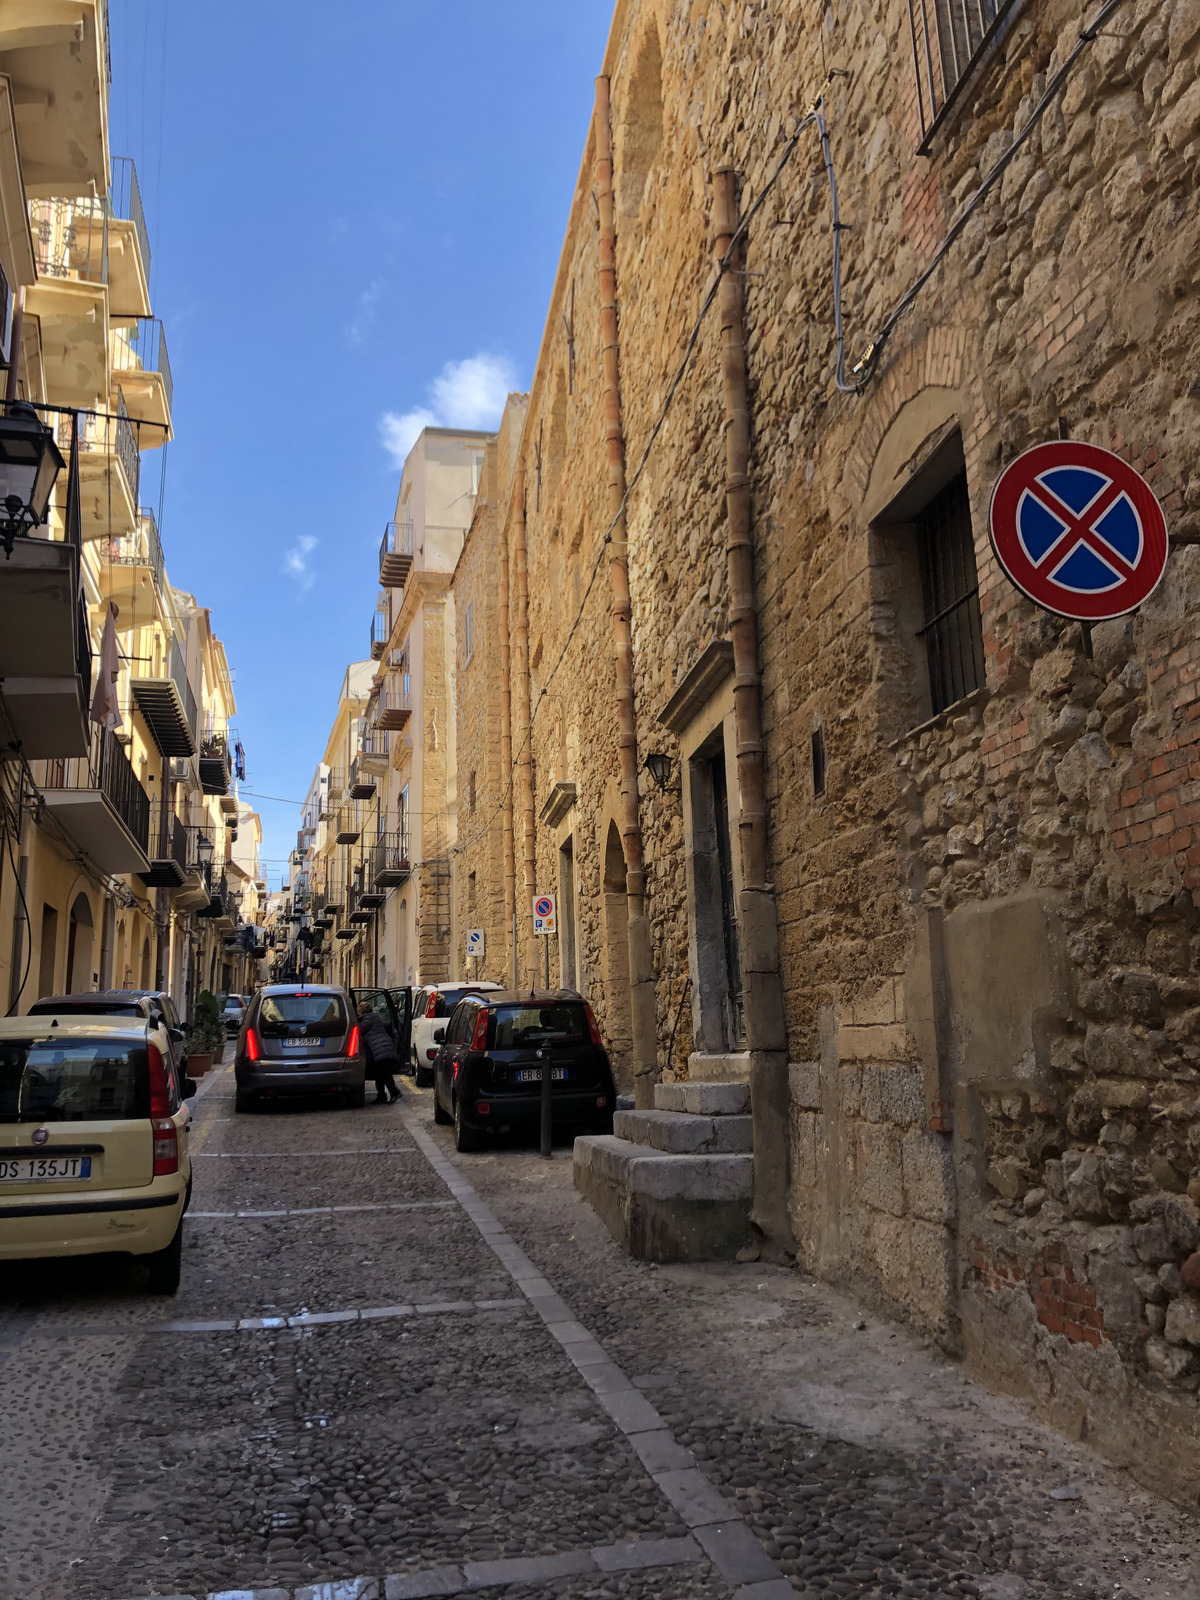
(659, 766)
(204, 854)
(30, 461)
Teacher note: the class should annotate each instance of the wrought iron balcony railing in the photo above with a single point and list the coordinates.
(70, 238)
(107, 769)
(141, 548)
(395, 554)
(125, 199)
(141, 346)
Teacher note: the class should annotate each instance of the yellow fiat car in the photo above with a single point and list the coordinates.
(93, 1143)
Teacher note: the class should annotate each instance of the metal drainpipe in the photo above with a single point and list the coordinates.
(523, 729)
(766, 1029)
(641, 968)
(506, 740)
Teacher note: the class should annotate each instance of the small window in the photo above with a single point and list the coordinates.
(948, 38)
(471, 791)
(469, 632)
(471, 892)
(818, 760)
(953, 630)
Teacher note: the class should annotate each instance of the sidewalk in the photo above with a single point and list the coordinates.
(833, 1428)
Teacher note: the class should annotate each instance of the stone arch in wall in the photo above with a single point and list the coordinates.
(615, 953)
(80, 936)
(639, 130)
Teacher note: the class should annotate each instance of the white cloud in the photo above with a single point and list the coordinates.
(295, 562)
(465, 394)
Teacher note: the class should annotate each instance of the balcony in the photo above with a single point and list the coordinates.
(134, 577)
(194, 893)
(392, 709)
(98, 800)
(167, 703)
(57, 58)
(381, 629)
(45, 650)
(395, 555)
(348, 825)
(331, 797)
(370, 761)
(388, 861)
(168, 851)
(358, 912)
(70, 298)
(140, 366)
(216, 911)
(128, 244)
(109, 471)
(216, 763)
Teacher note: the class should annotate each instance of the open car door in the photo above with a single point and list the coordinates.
(380, 1003)
(402, 1006)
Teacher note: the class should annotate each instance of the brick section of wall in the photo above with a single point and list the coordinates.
(1156, 815)
(1063, 1304)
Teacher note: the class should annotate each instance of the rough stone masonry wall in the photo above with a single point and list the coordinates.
(980, 1181)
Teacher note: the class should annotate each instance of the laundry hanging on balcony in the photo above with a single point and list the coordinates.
(239, 762)
(106, 709)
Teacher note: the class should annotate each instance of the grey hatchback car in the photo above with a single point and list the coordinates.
(298, 1040)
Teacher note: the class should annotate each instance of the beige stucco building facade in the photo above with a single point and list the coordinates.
(118, 820)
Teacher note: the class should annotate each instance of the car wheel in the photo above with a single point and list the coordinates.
(424, 1077)
(465, 1139)
(440, 1116)
(165, 1266)
(357, 1098)
(242, 1102)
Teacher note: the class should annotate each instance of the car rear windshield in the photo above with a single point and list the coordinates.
(73, 1080)
(234, 1000)
(517, 1026)
(322, 1014)
(85, 1008)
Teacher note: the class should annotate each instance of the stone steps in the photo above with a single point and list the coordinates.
(676, 1133)
(675, 1183)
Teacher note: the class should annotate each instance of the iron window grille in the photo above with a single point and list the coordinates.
(949, 37)
(953, 629)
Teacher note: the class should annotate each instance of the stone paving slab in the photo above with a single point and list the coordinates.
(472, 1576)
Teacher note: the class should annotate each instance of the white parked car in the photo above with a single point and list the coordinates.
(235, 1011)
(431, 1006)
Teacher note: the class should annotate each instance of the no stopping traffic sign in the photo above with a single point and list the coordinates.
(1078, 530)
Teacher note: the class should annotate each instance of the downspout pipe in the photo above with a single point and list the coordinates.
(506, 747)
(766, 1031)
(522, 728)
(641, 969)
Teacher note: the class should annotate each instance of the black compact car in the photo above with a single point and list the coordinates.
(495, 1047)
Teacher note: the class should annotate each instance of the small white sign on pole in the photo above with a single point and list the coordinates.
(476, 942)
(545, 914)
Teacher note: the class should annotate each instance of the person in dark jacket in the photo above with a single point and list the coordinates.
(382, 1056)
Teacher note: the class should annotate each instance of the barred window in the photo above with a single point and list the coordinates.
(953, 630)
(948, 39)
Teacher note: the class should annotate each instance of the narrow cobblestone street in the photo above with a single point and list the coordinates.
(373, 1385)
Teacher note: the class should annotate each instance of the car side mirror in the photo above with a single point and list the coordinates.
(189, 1088)
(439, 1036)
(175, 1035)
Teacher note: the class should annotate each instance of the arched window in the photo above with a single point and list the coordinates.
(640, 131)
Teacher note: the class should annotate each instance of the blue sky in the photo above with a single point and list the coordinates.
(355, 215)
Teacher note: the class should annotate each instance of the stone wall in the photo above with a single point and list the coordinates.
(988, 937)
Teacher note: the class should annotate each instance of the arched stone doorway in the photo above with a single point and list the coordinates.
(146, 962)
(80, 934)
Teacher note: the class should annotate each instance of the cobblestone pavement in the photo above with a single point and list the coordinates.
(437, 1375)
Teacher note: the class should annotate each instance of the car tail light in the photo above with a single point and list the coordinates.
(483, 1108)
(166, 1137)
(432, 1054)
(479, 1037)
(252, 1046)
(602, 1101)
(593, 1027)
(352, 1041)
(431, 1006)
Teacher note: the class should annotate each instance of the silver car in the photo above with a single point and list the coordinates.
(299, 1039)
(235, 1012)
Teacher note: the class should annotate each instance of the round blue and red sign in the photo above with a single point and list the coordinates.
(1078, 530)
(543, 907)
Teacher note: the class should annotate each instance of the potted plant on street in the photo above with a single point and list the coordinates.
(206, 1036)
